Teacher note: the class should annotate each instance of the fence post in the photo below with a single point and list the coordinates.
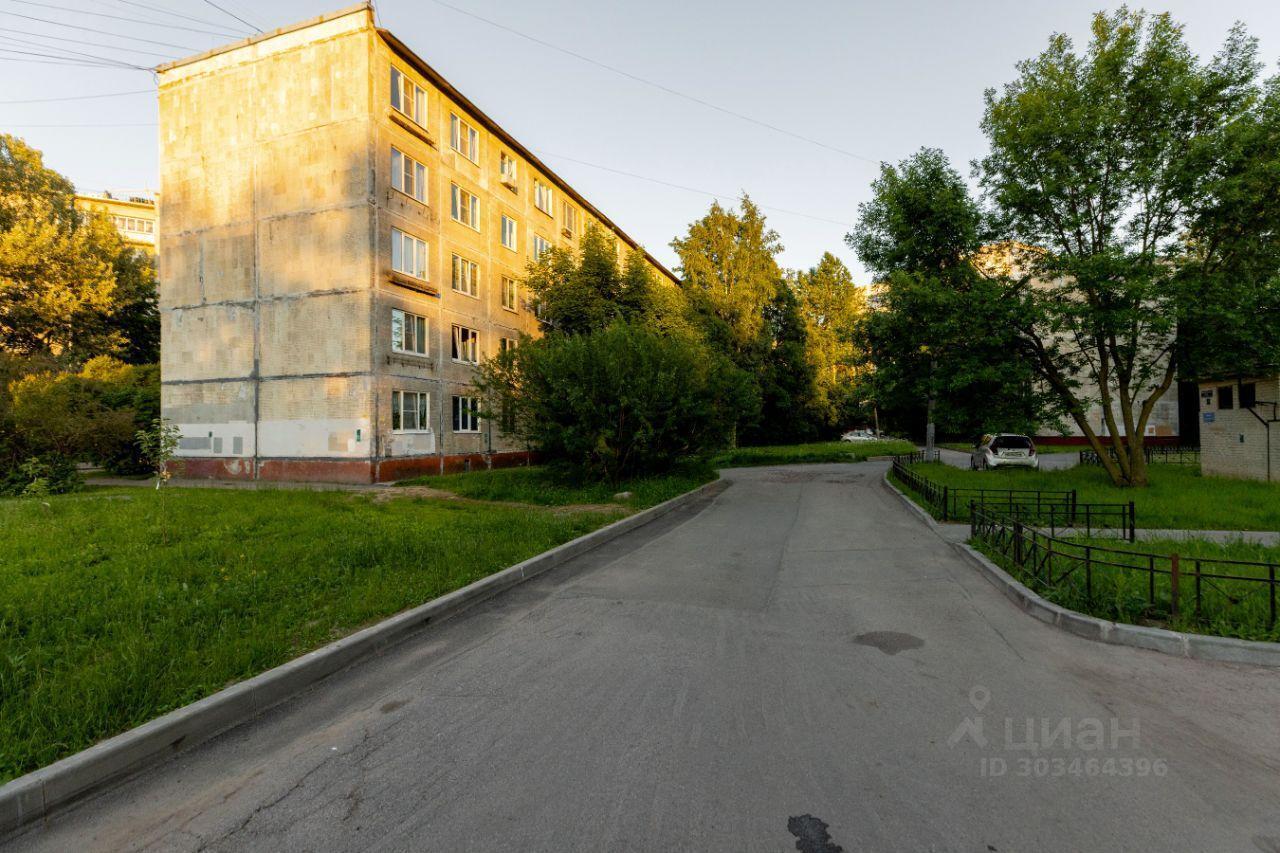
(973, 520)
(1073, 506)
(1088, 574)
(1271, 573)
(946, 503)
(1173, 586)
(1017, 543)
(1197, 590)
(1133, 528)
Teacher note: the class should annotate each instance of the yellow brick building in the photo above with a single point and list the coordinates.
(342, 240)
(134, 217)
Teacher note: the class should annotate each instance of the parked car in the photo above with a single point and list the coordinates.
(1004, 450)
(859, 435)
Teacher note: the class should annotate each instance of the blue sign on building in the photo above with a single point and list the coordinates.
(1209, 416)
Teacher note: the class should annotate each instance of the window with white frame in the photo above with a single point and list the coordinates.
(506, 344)
(409, 411)
(507, 169)
(408, 254)
(408, 175)
(570, 219)
(408, 332)
(464, 207)
(510, 293)
(466, 276)
(509, 230)
(464, 138)
(407, 97)
(466, 414)
(466, 345)
(540, 246)
(542, 197)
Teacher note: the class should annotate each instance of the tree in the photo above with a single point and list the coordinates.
(743, 307)
(832, 306)
(1099, 161)
(616, 402)
(69, 287)
(940, 330)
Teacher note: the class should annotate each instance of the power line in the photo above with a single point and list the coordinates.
(82, 41)
(98, 62)
(98, 31)
(107, 124)
(222, 34)
(81, 97)
(169, 12)
(692, 189)
(71, 63)
(234, 15)
(695, 99)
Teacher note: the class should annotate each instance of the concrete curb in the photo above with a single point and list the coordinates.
(32, 797)
(1196, 646)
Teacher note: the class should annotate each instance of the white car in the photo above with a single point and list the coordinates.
(859, 435)
(1005, 450)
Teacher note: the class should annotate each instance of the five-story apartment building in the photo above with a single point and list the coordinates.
(343, 240)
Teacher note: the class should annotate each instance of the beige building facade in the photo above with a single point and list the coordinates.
(134, 217)
(342, 243)
(1240, 428)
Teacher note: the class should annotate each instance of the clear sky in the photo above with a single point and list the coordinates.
(874, 79)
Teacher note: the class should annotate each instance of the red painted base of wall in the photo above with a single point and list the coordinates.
(345, 470)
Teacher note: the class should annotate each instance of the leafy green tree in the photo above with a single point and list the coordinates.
(832, 306)
(1099, 161)
(69, 287)
(741, 303)
(940, 330)
(616, 402)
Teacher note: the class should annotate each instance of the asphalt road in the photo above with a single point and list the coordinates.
(797, 664)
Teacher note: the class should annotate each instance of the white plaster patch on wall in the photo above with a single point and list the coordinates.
(315, 437)
(410, 443)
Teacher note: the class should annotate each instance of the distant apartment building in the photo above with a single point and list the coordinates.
(344, 236)
(134, 217)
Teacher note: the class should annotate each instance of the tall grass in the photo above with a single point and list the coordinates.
(119, 605)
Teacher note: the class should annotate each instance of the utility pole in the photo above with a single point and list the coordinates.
(928, 428)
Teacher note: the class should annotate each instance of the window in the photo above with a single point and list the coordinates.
(466, 276)
(466, 345)
(408, 254)
(408, 332)
(1248, 395)
(131, 223)
(464, 139)
(407, 98)
(507, 169)
(409, 411)
(466, 414)
(510, 292)
(542, 198)
(570, 219)
(505, 344)
(408, 175)
(509, 233)
(540, 245)
(464, 207)
(507, 417)
(1225, 397)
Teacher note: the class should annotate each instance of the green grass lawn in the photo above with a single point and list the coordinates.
(1178, 497)
(1227, 607)
(117, 605)
(543, 486)
(822, 451)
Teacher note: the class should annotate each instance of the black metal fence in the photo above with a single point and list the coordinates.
(1057, 511)
(1235, 594)
(1155, 454)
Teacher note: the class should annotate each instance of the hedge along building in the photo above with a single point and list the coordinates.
(342, 242)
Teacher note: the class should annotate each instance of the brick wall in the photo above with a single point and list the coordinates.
(1233, 443)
